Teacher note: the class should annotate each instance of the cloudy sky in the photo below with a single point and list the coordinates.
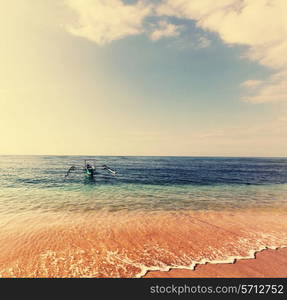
(151, 77)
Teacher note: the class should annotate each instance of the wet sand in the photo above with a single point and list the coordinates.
(130, 244)
(268, 263)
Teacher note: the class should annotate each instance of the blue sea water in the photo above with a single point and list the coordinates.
(142, 183)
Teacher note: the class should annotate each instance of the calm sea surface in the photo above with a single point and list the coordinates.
(155, 214)
(29, 183)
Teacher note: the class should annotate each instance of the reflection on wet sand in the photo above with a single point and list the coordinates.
(128, 244)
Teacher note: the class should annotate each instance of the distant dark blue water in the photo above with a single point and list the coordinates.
(153, 183)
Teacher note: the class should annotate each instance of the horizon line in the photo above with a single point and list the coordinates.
(105, 155)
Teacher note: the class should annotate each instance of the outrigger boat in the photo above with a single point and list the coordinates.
(90, 169)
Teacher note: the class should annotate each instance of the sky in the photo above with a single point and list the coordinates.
(153, 77)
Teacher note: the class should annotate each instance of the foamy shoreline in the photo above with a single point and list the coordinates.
(269, 258)
(134, 244)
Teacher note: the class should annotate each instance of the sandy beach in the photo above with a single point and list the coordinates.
(133, 244)
(143, 138)
(267, 263)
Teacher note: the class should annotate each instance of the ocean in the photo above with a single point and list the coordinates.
(142, 183)
(140, 219)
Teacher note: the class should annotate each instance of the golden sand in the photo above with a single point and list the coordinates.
(129, 244)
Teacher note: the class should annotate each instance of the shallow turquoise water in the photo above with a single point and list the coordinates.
(142, 183)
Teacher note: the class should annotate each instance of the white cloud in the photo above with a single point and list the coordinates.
(103, 21)
(203, 42)
(271, 90)
(164, 30)
(259, 24)
(194, 9)
(251, 83)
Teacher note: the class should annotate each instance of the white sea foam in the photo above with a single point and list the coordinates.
(230, 260)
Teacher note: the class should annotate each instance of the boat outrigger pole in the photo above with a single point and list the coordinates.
(105, 167)
(90, 169)
(73, 168)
